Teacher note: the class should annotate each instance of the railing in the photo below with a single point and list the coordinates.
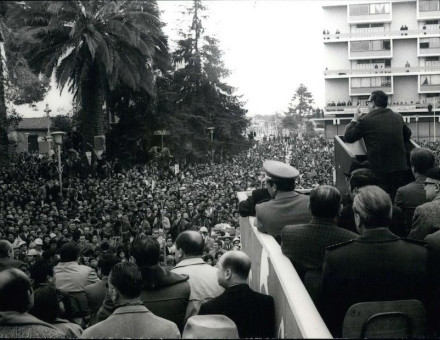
(272, 273)
(386, 70)
(380, 34)
(395, 107)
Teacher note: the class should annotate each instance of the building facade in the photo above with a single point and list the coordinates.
(393, 46)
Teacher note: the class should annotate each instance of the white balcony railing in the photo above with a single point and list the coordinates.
(342, 73)
(380, 34)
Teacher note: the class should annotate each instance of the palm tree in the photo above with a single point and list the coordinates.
(95, 46)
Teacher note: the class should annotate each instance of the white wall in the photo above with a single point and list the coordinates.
(405, 89)
(404, 50)
(336, 90)
(336, 56)
(336, 18)
(404, 13)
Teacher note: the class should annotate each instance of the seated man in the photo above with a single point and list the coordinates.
(16, 299)
(305, 244)
(131, 319)
(376, 266)
(426, 218)
(286, 206)
(412, 195)
(252, 312)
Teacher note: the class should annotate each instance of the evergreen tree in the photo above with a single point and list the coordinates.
(301, 101)
(203, 99)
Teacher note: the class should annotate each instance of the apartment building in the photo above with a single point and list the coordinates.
(393, 46)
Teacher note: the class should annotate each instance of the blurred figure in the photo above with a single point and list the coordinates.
(16, 299)
(48, 307)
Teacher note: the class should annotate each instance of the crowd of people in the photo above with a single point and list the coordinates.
(144, 240)
(104, 209)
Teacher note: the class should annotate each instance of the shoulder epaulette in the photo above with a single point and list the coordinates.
(335, 246)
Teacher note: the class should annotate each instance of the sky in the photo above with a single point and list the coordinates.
(270, 48)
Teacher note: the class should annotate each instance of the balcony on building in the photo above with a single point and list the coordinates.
(363, 13)
(428, 9)
(429, 46)
(366, 85)
(395, 71)
(429, 83)
(368, 49)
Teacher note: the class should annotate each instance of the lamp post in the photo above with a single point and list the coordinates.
(211, 130)
(58, 138)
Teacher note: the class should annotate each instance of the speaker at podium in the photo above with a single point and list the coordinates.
(346, 153)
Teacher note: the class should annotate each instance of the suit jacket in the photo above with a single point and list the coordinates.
(133, 322)
(286, 208)
(305, 244)
(426, 219)
(252, 312)
(408, 198)
(202, 280)
(73, 277)
(384, 134)
(377, 266)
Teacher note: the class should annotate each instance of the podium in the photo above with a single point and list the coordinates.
(345, 153)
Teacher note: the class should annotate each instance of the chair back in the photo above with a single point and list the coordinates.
(385, 319)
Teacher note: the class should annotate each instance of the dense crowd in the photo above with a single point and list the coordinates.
(104, 210)
(105, 207)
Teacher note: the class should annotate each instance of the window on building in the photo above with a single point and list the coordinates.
(429, 5)
(433, 79)
(430, 43)
(373, 45)
(371, 82)
(359, 9)
(383, 8)
(366, 9)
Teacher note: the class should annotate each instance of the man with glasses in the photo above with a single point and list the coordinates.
(384, 133)
(426, 218)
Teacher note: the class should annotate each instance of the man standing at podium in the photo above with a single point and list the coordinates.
(384, 133)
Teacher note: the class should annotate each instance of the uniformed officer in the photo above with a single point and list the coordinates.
(286, 206)
(376, 266)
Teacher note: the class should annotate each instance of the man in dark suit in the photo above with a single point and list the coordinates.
(410, 196)
(305, 244)
(377, 266)
(286, 206)
(252, 312)
(384, 133)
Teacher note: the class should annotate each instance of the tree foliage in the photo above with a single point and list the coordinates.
(302, 101)
(203, 98)
(94, 47)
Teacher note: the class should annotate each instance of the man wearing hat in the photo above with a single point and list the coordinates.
(286, 206)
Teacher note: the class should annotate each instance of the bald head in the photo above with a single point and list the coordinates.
(5, 249)
(238, 262)
(191, 243)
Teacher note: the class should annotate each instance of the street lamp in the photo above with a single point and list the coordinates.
(58, 138)
(211, 130)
